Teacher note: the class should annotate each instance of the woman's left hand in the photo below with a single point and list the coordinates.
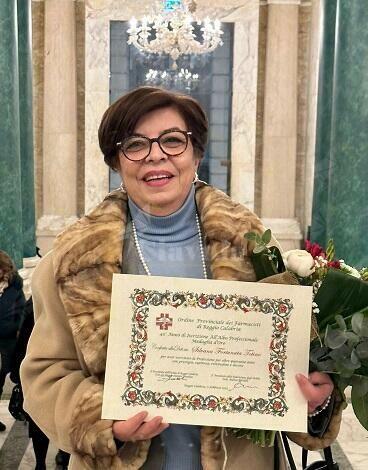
(316, 388)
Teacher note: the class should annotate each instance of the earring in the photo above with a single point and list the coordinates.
(196, 178)
(122, 187)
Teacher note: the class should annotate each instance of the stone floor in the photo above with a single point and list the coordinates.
(351, 449)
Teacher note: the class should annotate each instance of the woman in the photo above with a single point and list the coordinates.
(157, 223)
(40, 441)
(11, 313)
(12, 303)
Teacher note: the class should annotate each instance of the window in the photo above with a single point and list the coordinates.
(213, 89)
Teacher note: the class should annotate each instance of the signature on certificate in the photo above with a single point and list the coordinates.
(240, 384)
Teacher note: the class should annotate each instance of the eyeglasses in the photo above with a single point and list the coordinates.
(138, 147)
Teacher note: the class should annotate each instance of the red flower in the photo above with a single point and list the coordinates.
(196, 402)
(139, 298)
(132, 396)
(277, 405)
(314, 249)
(218, 301)
(133, 375)
(245, 310)
(202, 300)
(277, 387)
(273, 368)
(212, 404)
(334, 264)
(282, 308)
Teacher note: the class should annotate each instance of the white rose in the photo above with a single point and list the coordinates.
(299, 262)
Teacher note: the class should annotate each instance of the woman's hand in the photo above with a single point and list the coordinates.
(316, 388)
(135, 429)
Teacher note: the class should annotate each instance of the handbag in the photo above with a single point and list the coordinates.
(326, 464)
(15, 406)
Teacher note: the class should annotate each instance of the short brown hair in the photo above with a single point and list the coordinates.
(121, 118)
(7, 266)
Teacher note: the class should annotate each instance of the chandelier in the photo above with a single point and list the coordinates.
(184, 79)
(169, 29)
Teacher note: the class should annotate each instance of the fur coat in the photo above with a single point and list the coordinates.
(63, 372)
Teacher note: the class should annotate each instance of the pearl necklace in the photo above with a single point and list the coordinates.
(143, 261)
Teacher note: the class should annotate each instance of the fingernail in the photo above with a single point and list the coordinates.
(299, 376)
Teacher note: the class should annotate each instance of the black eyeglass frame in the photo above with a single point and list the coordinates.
(187, 134)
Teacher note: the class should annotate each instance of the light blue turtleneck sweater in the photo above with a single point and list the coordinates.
(170, 247)
(170, 244)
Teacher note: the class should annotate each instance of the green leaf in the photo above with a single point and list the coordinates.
(342, 383)
(334, 338)
(266, 237)
(341, 322)
(359, 323)
(340, 294)
(355, 359)
(348, 366)
(360, 384)
(362, 349)
(259, 249)
(317, 352)
(259, 239)
(352, 338)
(339, 354)
(360, 407)
(250, 236)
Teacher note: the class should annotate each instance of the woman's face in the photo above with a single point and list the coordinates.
(159, 184)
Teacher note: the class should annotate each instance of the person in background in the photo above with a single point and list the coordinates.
(12, 303)
(40, 441)
(161, 221)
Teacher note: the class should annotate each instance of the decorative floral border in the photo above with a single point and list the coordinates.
(274, 404)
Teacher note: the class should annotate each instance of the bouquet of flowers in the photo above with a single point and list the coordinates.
(340, 306)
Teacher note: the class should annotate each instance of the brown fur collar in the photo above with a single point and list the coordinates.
(88, 253)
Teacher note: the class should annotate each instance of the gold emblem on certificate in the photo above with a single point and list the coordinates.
(208, 352)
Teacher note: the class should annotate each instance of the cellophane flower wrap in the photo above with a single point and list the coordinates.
(340, 306)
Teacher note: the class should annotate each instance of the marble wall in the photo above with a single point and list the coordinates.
(251, 20)
(26, 127)
(17, 223)
(340, 208)
(38, 40)
(245, 17)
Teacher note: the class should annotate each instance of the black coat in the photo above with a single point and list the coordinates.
(12, 304)
(22, 341)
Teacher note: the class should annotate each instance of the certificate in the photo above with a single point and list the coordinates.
(208, 352)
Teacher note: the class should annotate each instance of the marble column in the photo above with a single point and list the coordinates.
(323, 137)
(280, 123)
(59, 123)
(340, 209)
(314, 57)
(11, 236)
(26, 127)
